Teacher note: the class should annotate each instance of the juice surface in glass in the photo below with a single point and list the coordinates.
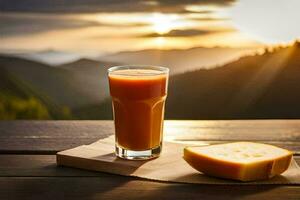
(138, 97)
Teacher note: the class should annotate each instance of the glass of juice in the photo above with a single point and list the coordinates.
(138, 98)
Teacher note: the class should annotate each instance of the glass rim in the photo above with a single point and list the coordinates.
(159, 69)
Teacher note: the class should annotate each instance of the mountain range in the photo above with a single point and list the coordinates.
(68, 86)
(47, 56)
(259, 86)
(253, 86)
(180, 60)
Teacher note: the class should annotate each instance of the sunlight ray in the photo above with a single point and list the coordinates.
(259, 83)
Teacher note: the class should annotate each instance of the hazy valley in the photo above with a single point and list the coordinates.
(254, 86)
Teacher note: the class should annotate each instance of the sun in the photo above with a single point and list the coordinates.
(163, 24)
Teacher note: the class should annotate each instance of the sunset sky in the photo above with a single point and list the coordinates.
(91, 27)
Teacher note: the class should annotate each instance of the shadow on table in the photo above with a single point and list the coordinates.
(222, 192)
(106, 186)
(61, 182)
(202, 179)
(140, 188)
(70, 183)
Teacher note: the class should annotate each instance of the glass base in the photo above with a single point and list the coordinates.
(138, 155)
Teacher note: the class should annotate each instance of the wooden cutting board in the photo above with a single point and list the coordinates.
(169, 167)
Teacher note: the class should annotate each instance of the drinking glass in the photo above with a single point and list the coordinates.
(138, 98)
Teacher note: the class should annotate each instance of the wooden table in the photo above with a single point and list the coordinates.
(28, 169)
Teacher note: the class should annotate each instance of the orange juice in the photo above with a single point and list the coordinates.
(138, 96)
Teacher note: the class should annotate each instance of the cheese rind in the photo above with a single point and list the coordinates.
(244, 161)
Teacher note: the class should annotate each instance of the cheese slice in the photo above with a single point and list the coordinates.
(244, 161)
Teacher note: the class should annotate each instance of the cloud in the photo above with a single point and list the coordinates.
(14, 24)
(79, 6)
(185, 33)
(20, 17)
(124, 25)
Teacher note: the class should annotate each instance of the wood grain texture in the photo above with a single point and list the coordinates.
(51, 146)
(210, 130)
(38, 165)
(48, 137)
(45, 165)
(126, 188)
(37, 177)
